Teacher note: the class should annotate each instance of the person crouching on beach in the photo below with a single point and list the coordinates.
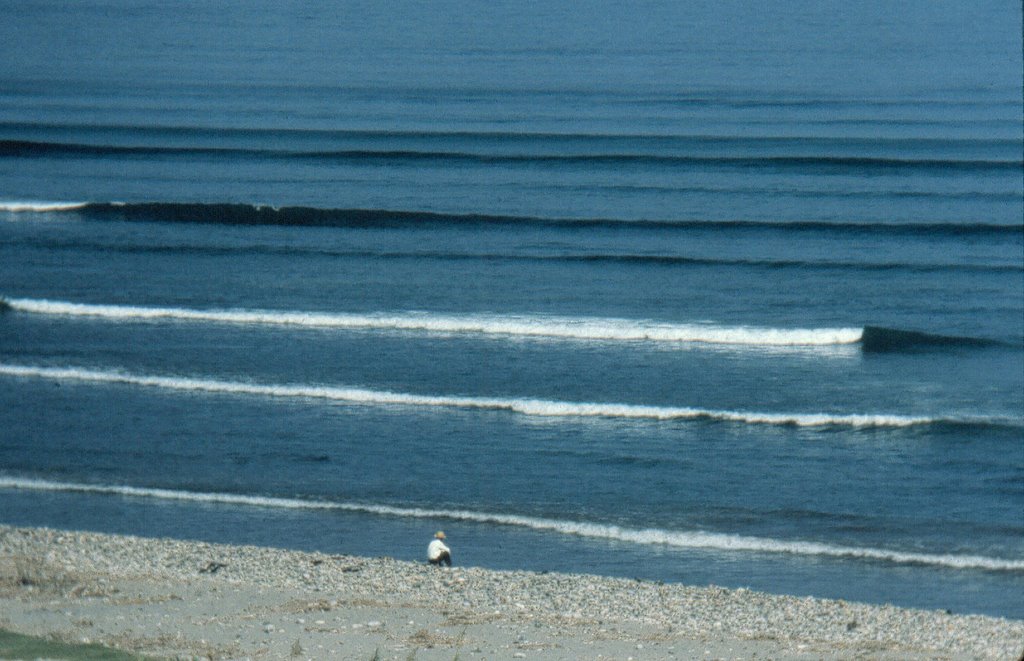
(437, 553)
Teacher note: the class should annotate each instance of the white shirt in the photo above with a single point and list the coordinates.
(435, 549)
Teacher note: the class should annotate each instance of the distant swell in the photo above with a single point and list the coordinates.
(520, 138)
(870, 338)
(522, 406)
(695, 539)
(838, 163)
(670, 261)
(255, 214)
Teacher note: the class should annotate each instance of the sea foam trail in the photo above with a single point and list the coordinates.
(683, 539)
(518, 326)
(530, 407)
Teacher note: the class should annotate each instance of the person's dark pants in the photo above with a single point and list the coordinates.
(444, 559)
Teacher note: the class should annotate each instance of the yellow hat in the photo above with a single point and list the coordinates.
(439, 534)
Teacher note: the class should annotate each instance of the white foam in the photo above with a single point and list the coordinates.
(695, 539)
(39, 207)
(531, 407)
(507, 325)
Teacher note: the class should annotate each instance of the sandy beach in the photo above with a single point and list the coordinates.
(181, 599)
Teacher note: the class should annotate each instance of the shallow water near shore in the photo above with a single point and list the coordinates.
(640, 294)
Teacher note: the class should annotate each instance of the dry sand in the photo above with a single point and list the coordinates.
(195, 600)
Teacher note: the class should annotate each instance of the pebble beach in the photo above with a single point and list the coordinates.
(181, 599)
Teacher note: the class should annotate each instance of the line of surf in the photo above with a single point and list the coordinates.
(523, 406)
(298, 216)
(514, 326)
(36, 206)
(870, 338)
(695, 539)
(664, 260)
(30, 148)
(319, 135)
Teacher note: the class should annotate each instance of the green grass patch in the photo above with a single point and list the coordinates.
(18, 646)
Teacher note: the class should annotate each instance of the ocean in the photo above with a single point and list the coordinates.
(715, 293)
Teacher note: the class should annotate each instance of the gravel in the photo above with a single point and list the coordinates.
(574, 606)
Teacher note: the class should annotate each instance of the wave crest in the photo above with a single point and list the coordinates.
(695, 539)
(523, 406)
(299, 216)
(40, 207)
(507, 325)
(870, 338)
(799, 162)
(879, 339)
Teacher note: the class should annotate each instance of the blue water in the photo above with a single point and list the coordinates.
(696, 292)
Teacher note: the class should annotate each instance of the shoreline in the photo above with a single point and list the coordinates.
(175, 598)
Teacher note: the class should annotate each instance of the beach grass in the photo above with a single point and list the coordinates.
(18, 646)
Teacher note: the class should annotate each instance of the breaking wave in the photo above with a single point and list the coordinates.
(695, 539)
(40, 207)
(509, 325)
(870, 338)
(522, 406)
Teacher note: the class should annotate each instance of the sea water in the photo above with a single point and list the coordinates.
(695, 292)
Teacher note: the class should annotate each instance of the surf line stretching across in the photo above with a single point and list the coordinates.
(683, 539)
(524, 406)
(507, 325)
